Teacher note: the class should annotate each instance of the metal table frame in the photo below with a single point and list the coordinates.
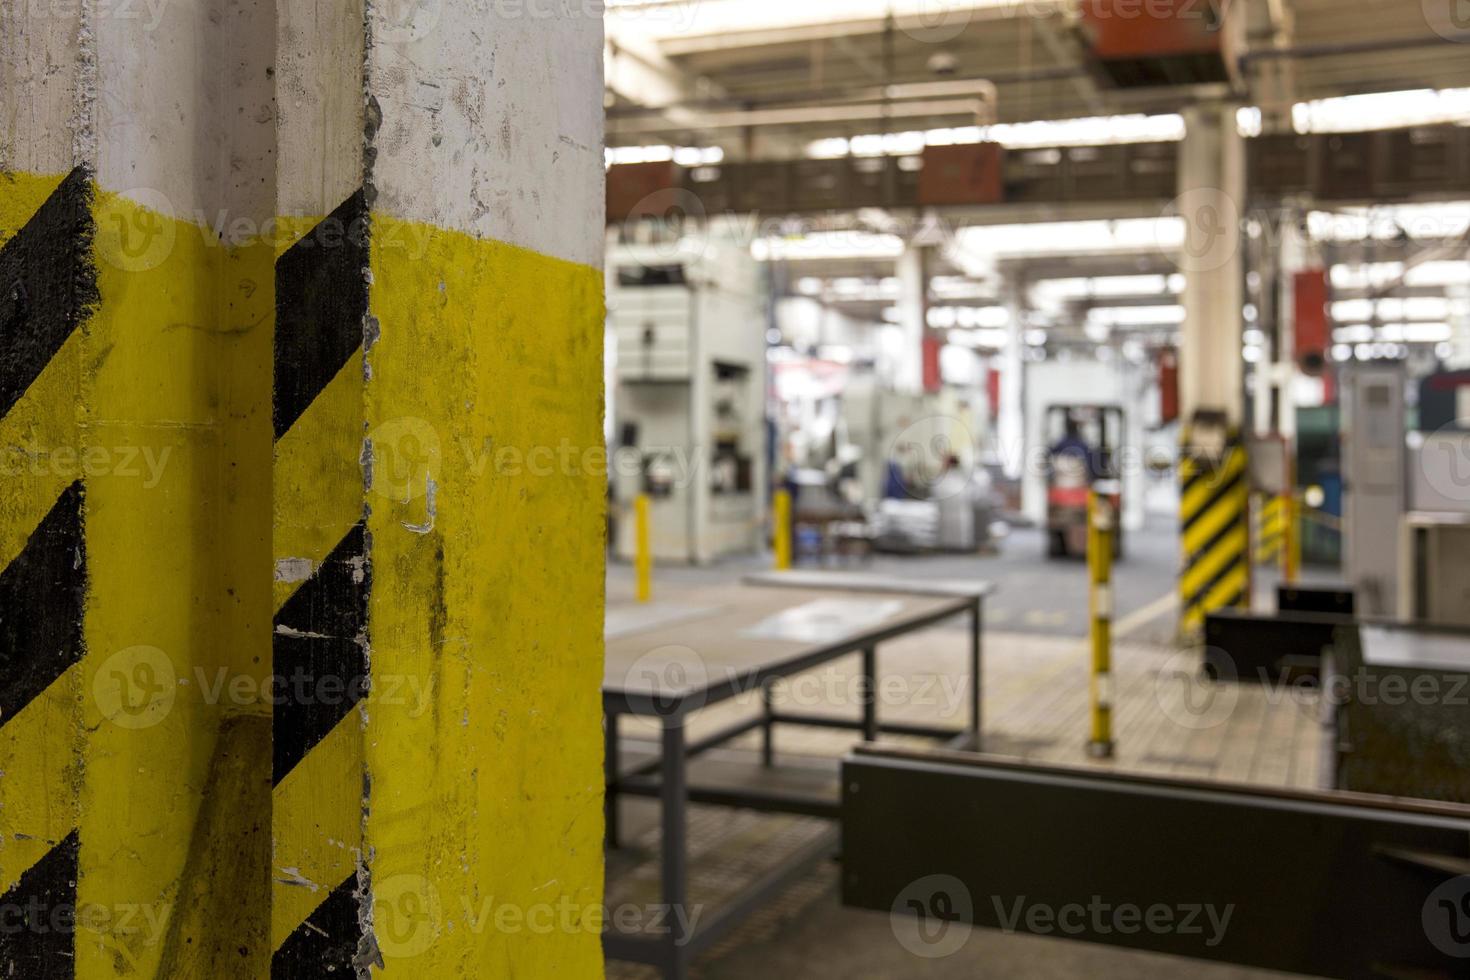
(667, 777)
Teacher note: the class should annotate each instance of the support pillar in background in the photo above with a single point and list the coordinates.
(1213, 471)
(913, 315)
(1211, 202)
(1011, 422)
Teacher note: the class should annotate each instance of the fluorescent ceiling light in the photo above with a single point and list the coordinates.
(827, 245)
(1136, 316)
(1382, 110)
(1432, 222)
(989, 242)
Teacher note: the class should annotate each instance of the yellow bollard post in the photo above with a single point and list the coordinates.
(1100, 606)
(643, 560)
(781, 518)
(1291, 548)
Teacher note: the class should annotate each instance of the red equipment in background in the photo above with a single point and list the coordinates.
(1140, 44)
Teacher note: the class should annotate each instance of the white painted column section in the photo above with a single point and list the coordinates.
(913, 316)
(1293, 257)
(1010, 423)
(1211, 201)
(1459, 358)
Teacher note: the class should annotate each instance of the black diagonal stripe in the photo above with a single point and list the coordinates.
(1220, 535)
(40, 914)
(1200, 472)
(319, 653)
(41, 596)
(47, 285)
(325, 945)
(1197, 600)
(1216, 498)
(321, 305)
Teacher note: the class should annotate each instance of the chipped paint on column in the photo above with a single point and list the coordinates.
(486, 610)
(321, 570)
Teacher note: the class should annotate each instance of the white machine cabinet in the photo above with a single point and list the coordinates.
(689, 406)
(1374, 461)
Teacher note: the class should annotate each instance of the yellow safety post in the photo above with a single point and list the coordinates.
(1292, 550)
(1100, 533)
(782, 520)
(643, 561)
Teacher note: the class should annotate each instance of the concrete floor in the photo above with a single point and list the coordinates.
(1040, 612)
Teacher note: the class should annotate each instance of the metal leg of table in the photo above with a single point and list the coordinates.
(610, 779)
(675, 849)
(768, 725)
(976, 661)
(870, 694)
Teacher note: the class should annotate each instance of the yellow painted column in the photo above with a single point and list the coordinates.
(1292, 549)
(781, 520)
(643, 557)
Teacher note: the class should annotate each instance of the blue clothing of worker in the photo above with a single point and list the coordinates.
(1073, 445)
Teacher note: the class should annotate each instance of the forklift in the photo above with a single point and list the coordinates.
(1084, 443)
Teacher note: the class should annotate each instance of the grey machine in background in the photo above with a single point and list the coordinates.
(1375, 470)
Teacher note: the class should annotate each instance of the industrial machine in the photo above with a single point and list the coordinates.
(1375, 470)
(688, 330)
(1435, 538)
(1083, 446)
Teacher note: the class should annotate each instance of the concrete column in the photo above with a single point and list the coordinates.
(1292, 258)
(440, 484)
(1011, 422)
(1211, 201)
(913, 315)
(135, 175)
(300, 348)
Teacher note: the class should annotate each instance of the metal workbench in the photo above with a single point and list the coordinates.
(668, 664)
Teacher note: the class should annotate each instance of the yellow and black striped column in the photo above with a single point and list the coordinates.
(1271, 514)
(323, 579)
(1214, 532)
(47, 289)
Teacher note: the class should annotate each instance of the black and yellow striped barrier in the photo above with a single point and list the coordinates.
(322, 580)
(1214, 534)
(1271, 516)
(1101, 528)
(47, 286)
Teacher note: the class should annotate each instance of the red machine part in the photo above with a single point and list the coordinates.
(1313, 326)
(1151, 43)
(964, 174)
(633, 190)
(1168, 361)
